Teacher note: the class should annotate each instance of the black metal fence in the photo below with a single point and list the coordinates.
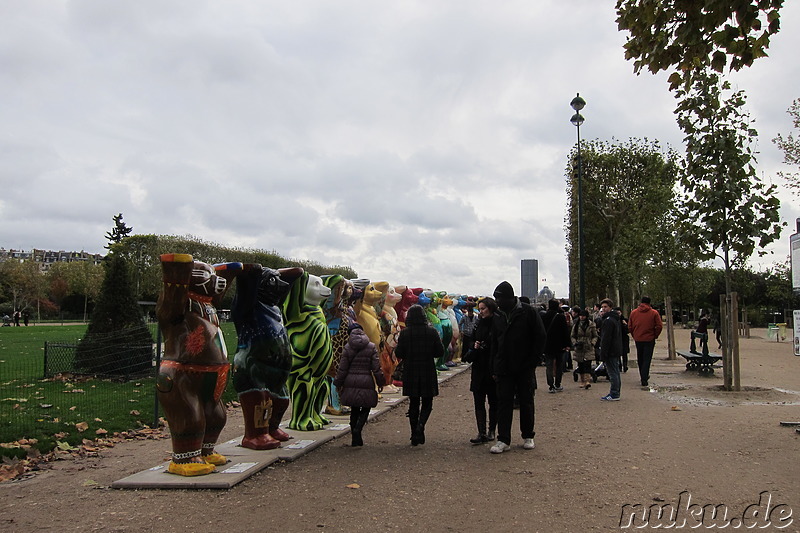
(70, 387)
(108, 386)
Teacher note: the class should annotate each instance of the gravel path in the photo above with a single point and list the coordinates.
(591, 459)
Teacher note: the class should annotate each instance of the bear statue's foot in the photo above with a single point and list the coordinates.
(333, 411)
(190, 469)
(215, 459)
(279, 434)
(260, 442)
(307, 425)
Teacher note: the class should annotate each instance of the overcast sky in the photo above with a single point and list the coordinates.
(422, 143)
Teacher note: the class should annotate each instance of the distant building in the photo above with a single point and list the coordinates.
(45, 258)
(544, 296)
(530, 278)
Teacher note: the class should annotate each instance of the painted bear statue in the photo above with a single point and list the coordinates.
(312, 351)
(194, 370)
(263, 358)
(337, 314)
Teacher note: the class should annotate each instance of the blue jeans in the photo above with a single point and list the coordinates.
(644, 355)
(612, 367)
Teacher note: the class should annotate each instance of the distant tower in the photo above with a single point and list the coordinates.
(530, 278)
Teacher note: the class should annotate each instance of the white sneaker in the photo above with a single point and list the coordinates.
(528, 444)
(500, 447)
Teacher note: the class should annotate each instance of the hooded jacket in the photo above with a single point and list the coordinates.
(644, 323)
(358, 366)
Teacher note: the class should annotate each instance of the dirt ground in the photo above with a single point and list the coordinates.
(591, 459)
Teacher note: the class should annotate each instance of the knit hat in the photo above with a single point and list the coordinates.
(504, 290)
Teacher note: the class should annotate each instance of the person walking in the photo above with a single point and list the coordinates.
(644, 324)
(358, 379)
(611, 347)
(418, 348)
(517, 347)
(482, 384)
(584, 337)
(558, 341)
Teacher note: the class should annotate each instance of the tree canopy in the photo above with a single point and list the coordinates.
(627, 191)
(118, 232)
(694, 35)
(730, 210)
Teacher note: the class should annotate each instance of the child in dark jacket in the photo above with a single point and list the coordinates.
(358, 377)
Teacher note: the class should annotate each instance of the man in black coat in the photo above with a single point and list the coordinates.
(558, 342)
(517, 348)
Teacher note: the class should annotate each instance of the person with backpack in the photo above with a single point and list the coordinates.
(584, 337)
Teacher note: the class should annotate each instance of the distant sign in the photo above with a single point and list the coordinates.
(794, 243)
(796, 332)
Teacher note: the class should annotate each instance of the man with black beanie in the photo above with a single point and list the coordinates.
(517, 348)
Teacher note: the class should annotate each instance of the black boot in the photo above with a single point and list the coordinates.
(358, 418)
(423, 419)
(362, 421)
(480, 419)
(414, 423)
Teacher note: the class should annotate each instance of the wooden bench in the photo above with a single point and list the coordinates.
(702, 361)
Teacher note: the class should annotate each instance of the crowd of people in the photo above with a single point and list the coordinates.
(505, 343)
(23, 315)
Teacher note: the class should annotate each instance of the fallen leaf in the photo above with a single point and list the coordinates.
(101, 431)
(97, 420)
(11, 471)
(676, 408)
(82, 426)
(64, 446)
(90, 483)
(73, 407)
(135, 412)
(353, 486)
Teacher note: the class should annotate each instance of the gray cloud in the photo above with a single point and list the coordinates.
(420, 143)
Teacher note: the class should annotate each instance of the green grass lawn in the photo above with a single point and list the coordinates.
(53, 410)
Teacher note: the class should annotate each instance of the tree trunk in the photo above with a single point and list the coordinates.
(670, 328)
(724, 325)
(737, 374)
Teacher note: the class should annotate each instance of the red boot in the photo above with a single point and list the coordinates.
(256, 408)
(279, 406)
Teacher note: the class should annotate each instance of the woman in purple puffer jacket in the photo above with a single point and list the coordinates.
(357, 380)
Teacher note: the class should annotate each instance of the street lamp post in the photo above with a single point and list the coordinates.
(577, 104)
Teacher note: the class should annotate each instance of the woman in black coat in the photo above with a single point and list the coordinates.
(418, 347)
(482, 384)
(358, 375)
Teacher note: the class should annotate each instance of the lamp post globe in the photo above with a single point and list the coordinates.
(577, 103)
